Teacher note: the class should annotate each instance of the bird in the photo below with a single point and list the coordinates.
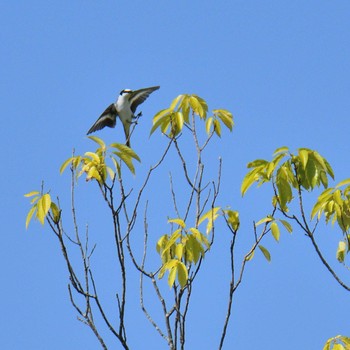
(124, 108)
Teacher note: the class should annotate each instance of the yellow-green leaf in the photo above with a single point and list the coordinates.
(126, 150)
(265, 252)
(93, 156)
(182, 274)
(179, 250)
(250, 256)
(161, 117)
(178, 221)
(56, 213)
(43, 206)
(127, 160)
(176, 101)
(233, 219)
(211, 214)
(338, 347)
(249, 179)
(208, 125)
(342, 183)
(275, 231)
(327, 345)
(179, 120)
(98, 141)
(225, 116)
(93, 173)
(172, 275)
(65, 164)
(30, 194)
(30, 215)
(341, 251)
(263, 220)
(217, 127)
(287, 225)
(304, 156)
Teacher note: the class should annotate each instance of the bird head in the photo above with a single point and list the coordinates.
(125, 91)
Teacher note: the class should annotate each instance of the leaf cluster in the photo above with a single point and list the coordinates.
(184, 247)
(334, 204)
(41, 205)
(93, 164)
(171, 120)
(339, 342)
(307, 169)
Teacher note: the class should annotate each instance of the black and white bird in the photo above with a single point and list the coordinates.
(124, 108)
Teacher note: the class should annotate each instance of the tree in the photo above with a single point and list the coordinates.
(194, 193)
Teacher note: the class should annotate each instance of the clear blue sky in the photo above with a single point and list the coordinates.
(281, 67)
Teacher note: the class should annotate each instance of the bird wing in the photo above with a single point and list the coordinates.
(139, 96)
(107, 118)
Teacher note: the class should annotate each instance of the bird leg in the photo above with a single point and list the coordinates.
(137, 116)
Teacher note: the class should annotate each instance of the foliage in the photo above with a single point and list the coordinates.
(338, 343)
(183, 249)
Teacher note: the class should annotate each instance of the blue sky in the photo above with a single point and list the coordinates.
(282, 68)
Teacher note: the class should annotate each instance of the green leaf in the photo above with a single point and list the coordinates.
(265, 252)
(342, 183)
(304, 156)
(249, 179)
(185, 107)
(160, 118)
(284, 191)
(177, 100)
(170, 244)
(225, 116)
(283, 149)
(95, 157)
(98, 141)
(56, 213)
(265, 219)
(199, 237)
(172, 275)
(217, 127)
(250, 256)
(65, 164)
(233, 219)
(126, 150)
(198, 105)
(127, 161)
(182, 274)
(275, 231)
(329, 168)
(257, 163)
(176, 122)
(287, 225)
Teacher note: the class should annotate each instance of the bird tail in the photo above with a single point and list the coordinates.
(127, 133)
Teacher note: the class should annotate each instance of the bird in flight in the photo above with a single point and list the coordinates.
(124, 108)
